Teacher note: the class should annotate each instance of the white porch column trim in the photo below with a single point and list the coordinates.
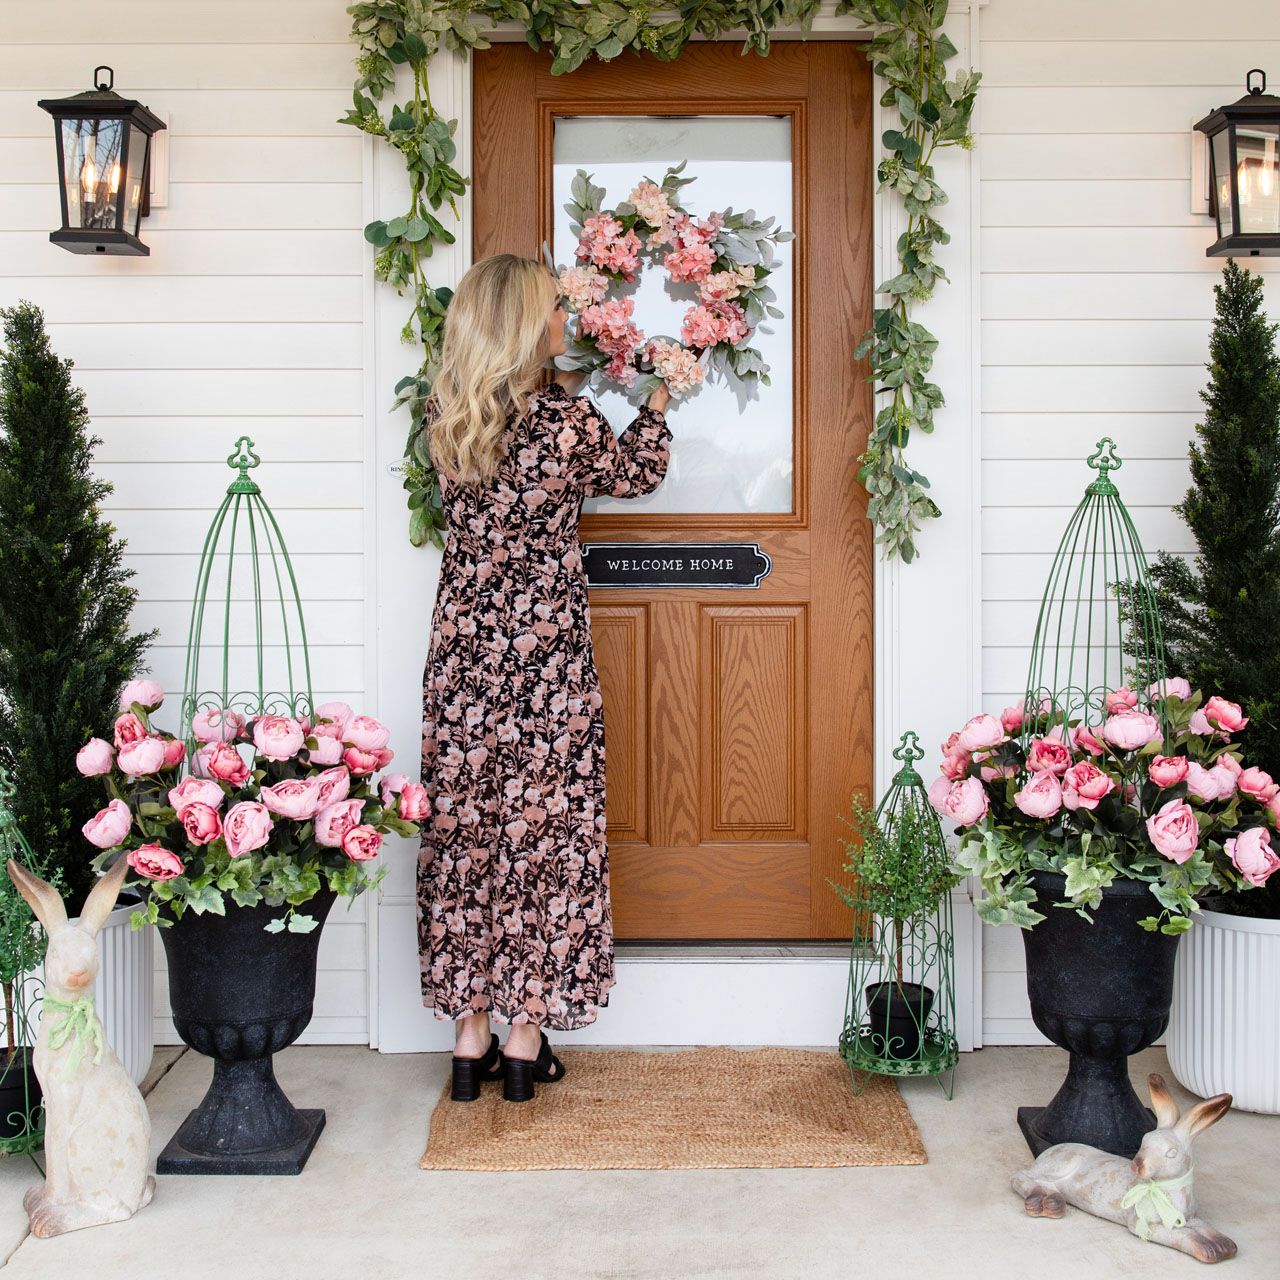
(927, 634)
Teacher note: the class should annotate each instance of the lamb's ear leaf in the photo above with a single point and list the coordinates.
(41, 897)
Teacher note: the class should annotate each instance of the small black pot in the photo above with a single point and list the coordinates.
(20, 1094)
(898, 1013)
(1101, 991)
(240, 994)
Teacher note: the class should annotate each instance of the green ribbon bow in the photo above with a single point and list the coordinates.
(79, 1019)
(1149, 1199)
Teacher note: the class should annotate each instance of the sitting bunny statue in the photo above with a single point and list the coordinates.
(97, 1131)
(1150, 1194)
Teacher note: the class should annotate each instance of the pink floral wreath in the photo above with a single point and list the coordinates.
(727, 256)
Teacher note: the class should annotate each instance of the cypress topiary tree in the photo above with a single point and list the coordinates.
(1221, 614)
(66, 648)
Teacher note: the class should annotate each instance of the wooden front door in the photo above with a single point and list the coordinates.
(738, 719)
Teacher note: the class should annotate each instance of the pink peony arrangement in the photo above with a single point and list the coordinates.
(726, 257)
(272, 806)
(1156, 791)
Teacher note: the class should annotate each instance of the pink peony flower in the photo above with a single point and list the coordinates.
(1050, 754)
(128, 728)
(1228, 761)
(109, 827)
(1041, 797)
(360, 844)
(1011, 718)
(367, 734)
(189, 790)
(326, 751)
(294, 798)
(247, 827)
(222, 761)
(216, 725)
(1258, 784)
(337, 712)
(1084, 785)
(363, 763)
(331, 786)
(175, 751)
(955, 759)
(1173, 687)
(1119, 699)
(335, 820)
(156, 862)
(201, 822)
(964, 802)
(1252, 855)
(1168, 771)
(1225, 715)
(1225, 781)
(95, 758)
(1086, 739)
(415, 804)
(391, 785)
(146, 693)
(981, 732)
(1202, 783)
(1173, 831)
(141, 757)
(1130, 729)
(277, 737)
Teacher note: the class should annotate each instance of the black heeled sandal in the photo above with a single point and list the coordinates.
(470, 1073)
(520, 1073)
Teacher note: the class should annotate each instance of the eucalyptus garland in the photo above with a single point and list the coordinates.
(908, 51)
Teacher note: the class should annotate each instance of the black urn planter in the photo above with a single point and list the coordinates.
(240, 994)
(20, 1094)
(1101, 991)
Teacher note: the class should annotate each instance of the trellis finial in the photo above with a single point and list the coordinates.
(908, 751)
(244, 459)
(1103, 460)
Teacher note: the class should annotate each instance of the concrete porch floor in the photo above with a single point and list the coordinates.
(363, 1207)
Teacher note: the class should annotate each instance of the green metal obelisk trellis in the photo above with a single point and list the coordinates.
(900, 1012)
(21, 951)
(244, 528)
(1098, 607)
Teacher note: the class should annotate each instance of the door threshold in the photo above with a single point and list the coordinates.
(694, 951)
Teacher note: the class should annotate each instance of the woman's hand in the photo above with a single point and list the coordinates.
(659, 398)
(571, 379)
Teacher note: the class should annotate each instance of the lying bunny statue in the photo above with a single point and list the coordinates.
(97, 1131)
(1150, 1194)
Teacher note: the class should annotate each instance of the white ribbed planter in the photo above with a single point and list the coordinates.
(1224, 1029)
(123, 993)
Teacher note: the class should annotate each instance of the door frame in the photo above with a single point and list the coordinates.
(913, 687)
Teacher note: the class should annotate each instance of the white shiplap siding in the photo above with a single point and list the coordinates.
(1097, 298)
(247, 319)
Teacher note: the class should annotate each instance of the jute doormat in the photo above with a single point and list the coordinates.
(710, 1108)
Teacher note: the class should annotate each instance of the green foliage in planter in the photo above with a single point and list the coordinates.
(1221, 612)
(66, 647)
(909, 53)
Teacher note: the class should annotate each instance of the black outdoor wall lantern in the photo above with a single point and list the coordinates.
(1244, 171)
(104, 167)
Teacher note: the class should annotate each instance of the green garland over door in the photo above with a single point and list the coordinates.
(909, 52)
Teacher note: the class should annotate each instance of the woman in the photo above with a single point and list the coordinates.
(514, 918)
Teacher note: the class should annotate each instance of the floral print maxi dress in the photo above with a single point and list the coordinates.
(513, 879)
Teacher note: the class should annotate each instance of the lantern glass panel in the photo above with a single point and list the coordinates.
(135, 176)
(91, 160)
(1222, 190)
(1258, 177)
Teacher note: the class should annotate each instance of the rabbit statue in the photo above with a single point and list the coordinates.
(1150, 1194)
(97, 1131)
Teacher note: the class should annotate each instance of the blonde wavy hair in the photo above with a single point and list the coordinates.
(494, 350)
